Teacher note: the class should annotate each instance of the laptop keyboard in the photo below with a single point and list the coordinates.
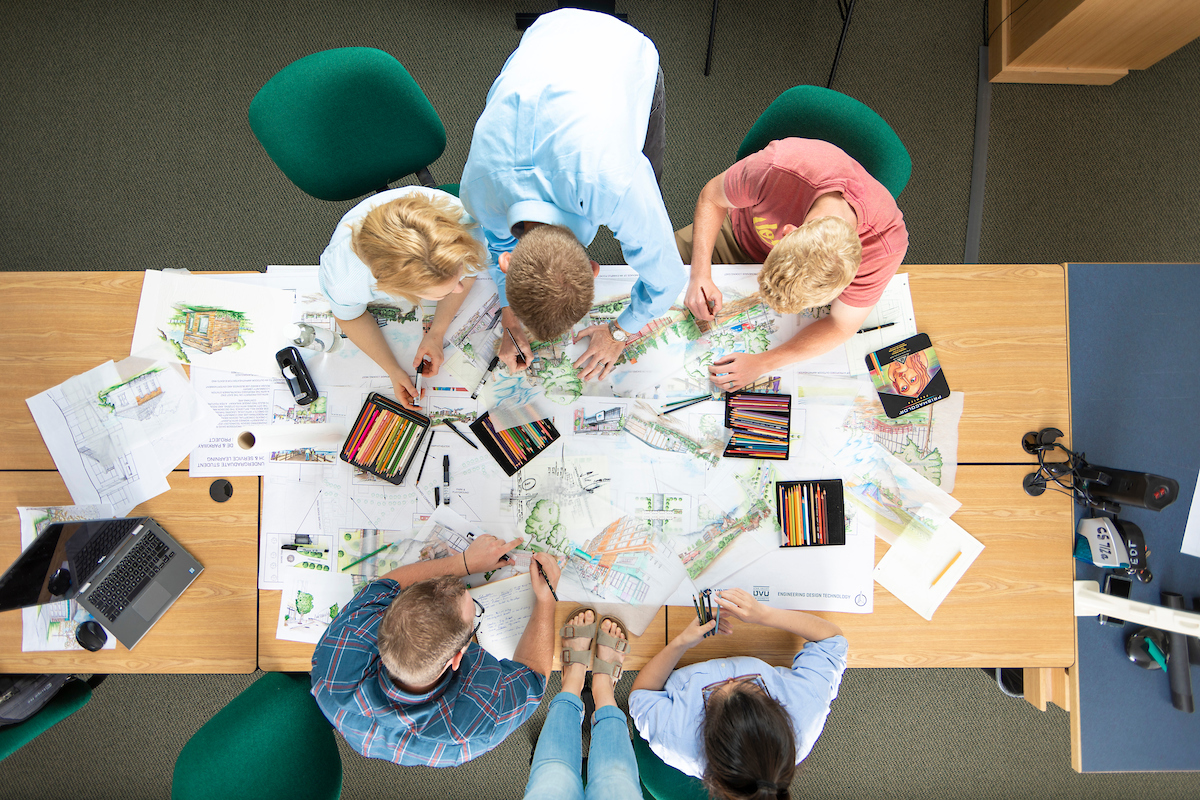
(101, 545)
(128, 578)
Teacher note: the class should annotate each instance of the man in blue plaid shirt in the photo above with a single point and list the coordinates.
(397, 673)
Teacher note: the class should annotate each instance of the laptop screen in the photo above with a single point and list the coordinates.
(28, 581)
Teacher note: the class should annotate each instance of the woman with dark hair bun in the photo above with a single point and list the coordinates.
(738, 723)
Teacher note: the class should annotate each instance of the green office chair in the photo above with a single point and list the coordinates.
(342, 123)
(812, 112)
(661, 781)
(72, 697)
(271, 741)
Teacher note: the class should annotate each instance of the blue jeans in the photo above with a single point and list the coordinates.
(557, 761)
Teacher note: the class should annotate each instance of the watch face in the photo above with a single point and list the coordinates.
(617, 334)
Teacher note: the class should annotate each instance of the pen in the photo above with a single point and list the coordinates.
(437, 496)
(425, 458)
(942, 574)
(877, 327)
(364, 558)
(520, 355)
(420, 372)
(542, 572)
(491, 366)
(686, 404)
(461, 435)
(446, 480)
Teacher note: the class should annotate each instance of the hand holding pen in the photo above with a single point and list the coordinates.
(544, 572)
(513, 347)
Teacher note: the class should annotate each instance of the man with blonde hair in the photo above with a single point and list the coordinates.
(825, 231)
(572, 136)
(398, 674)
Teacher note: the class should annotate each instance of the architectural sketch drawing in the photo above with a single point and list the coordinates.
(665, 433)
(925, 439)
(629, 561)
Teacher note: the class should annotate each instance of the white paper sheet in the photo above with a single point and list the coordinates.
(1191, 532)
(895, 307)
(926, 561)
(208, 322)
(309, 602)
(51, 627)
(115, 431)
(507, 609)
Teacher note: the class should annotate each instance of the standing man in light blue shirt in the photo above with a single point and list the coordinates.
(570, 139)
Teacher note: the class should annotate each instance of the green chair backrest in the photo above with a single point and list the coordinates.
(72, 697)
(271, 741)
(814, 112)
(341, 123)
(661, 781)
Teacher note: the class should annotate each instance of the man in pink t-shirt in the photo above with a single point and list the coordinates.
(825, 231)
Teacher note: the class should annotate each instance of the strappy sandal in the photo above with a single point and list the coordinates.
(603, 639)
(587, 631)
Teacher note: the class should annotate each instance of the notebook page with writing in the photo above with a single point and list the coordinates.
(508, 606)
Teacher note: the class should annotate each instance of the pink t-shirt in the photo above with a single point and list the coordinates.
(779, 184)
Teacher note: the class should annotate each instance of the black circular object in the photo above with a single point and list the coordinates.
(1034, 484)
(91, 636)
(221, 490)
(1135, 647)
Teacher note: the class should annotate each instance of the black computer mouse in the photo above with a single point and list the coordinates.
(91, 636)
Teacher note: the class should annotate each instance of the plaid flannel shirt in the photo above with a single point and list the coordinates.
(469, 712)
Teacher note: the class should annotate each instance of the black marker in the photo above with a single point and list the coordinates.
(878, 327)
(446, 480)
(482, 380)
(461, 435)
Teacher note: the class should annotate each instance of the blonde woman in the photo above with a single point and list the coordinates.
(825, 231)
(408, 244)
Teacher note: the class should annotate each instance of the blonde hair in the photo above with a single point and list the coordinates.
(549, 282)
(416, 242)
(811, 265)
(422, 630)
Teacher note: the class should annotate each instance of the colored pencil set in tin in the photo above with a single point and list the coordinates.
(385, 438)
(810, 513)
(514, 447)
(761, 425)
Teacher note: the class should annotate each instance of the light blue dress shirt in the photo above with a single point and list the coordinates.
(560, 142)
(669, 720)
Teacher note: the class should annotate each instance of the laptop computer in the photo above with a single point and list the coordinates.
(125, 572)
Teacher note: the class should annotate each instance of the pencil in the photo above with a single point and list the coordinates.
(942, 574)
(364, 558)
(421, 471)
(461, 435)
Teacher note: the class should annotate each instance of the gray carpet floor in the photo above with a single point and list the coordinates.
(124, 145)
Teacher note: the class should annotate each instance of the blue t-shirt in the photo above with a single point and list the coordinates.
(470, 710)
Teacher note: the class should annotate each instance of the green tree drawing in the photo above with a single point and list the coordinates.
(304, 603)
(542, 525)
(561, 380)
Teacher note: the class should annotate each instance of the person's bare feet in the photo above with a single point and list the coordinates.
(574, 674)
(602, 685)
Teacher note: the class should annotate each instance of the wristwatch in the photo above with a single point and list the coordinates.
(618, 335)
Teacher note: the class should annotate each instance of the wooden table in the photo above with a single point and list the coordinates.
(1012, 608)
(210, 628)
(1000, 332)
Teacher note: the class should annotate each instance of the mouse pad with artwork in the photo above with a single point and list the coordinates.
(907, 376)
